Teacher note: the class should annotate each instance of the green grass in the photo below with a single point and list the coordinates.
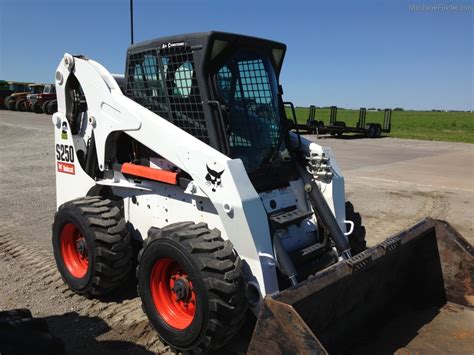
(426, 125)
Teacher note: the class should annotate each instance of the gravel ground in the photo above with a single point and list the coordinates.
(392, 182)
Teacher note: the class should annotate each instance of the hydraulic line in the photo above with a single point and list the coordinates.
(326, 217)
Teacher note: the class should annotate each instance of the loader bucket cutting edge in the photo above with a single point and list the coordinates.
(378, 300)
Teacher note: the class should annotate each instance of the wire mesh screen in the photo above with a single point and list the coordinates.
(245, 87)
(165, 82)
(145, 82)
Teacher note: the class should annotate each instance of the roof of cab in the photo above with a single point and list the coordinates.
(201, 37)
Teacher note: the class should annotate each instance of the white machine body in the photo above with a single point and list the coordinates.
(230, 204)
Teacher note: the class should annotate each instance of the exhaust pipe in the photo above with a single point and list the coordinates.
(327, 219)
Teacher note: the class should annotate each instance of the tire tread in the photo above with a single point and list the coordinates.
(111, 243)
(220, 268)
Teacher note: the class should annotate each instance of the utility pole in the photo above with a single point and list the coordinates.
(131, 20)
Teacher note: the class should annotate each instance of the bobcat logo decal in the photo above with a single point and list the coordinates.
(213, 178)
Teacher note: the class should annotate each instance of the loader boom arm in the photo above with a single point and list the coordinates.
(236, 201)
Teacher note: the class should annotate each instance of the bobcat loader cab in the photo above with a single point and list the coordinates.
(196, 164)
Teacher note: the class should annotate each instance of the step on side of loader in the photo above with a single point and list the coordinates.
(342, 307)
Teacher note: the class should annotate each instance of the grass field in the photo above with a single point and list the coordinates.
(440, 126)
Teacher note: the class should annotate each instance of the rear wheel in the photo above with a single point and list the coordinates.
(36, 108)
(191, 285)
(357, 237)
(44, 106)
(91, 245)
(20, 105)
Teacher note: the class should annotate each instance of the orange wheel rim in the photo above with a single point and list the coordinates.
(173, 293)
(74, 250)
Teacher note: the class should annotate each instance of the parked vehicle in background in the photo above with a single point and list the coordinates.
(338, 128)
(17, 101)
(36, 89)
(7, 88)
(39, 102)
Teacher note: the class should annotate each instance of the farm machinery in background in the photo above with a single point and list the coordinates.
(338, 128)
(38, 98)
(44, 102)
(234, 215)
(7, 88)
(18, 101)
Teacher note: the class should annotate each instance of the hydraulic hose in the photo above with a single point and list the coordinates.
(283, 259)
(326, 217)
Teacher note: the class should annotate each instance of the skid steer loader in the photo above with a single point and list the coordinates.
(233, 213)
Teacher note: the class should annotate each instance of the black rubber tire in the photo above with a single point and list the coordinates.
(371, 131)
(44, 106)
(36, 108)
(215, 272)
(357, 237)
(12, 105)
(6, 102)
(20, 105)
(20, 333)
(311, 126)
(52, 107)
(109, 253)
(378, 131)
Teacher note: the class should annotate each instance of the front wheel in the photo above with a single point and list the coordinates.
(191, 285)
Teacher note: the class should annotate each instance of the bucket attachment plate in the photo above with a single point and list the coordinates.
(341, 308)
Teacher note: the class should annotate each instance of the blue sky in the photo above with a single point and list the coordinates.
(344, 53)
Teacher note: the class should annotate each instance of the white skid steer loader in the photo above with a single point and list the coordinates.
(233, 212)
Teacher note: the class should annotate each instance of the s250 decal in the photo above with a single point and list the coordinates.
(65, 159)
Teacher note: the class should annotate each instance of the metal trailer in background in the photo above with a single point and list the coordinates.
(310, 126)
(371, 130)
(338, 128)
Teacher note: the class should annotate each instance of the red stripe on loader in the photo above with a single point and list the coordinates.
(146, 172)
